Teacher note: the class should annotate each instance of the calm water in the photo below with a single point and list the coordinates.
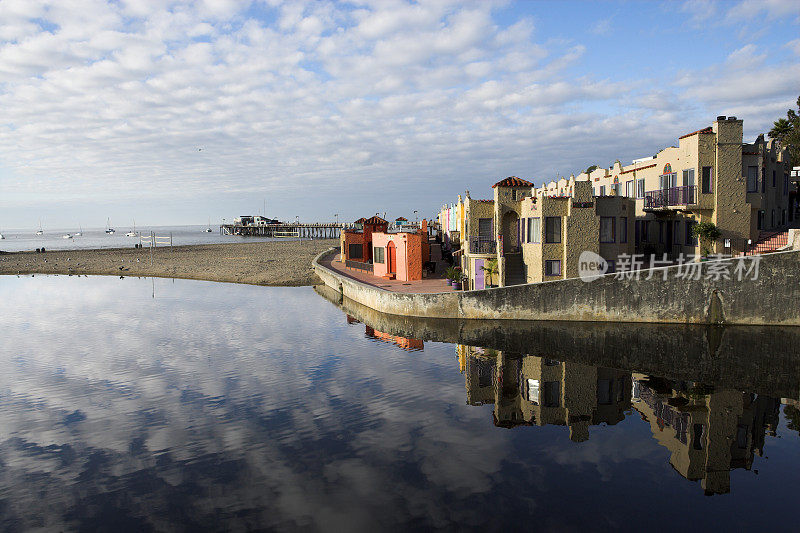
(19, 241)
(140, 404)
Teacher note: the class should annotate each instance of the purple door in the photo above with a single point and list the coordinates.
(479, 275)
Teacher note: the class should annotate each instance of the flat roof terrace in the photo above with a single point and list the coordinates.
(433, 284)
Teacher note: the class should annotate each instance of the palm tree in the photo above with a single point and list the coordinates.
(491, 268)
(780, 130)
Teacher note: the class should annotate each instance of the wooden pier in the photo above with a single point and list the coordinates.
(319, 230)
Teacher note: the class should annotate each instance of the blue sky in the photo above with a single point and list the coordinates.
(171, 112)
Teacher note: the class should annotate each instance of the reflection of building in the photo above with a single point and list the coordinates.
(406, 343)
(530, 390)
(707, 432)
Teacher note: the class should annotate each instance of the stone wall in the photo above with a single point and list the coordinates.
(772, 299)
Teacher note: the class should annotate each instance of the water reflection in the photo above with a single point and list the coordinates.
(708, 432)
(202, 406)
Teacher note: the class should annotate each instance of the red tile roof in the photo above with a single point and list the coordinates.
(375, 220)
(704, 130)
(638, 168)
(512, 181)
(360, 220)
(401, 218)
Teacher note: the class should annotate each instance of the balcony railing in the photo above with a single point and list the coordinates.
(479, 244)
(673, 196)
(358, 265)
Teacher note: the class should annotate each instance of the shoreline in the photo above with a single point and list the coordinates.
(272, 263)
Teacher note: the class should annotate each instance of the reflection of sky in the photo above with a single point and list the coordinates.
(216, 404)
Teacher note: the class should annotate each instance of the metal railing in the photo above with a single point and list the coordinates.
(478, 244)
(684, 195)
(358, 265)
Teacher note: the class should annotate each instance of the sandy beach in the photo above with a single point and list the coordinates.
(281, 263)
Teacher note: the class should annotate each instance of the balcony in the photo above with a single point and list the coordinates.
(479, 244)
(672, 197)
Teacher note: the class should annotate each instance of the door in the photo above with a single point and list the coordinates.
(391, 258)
(480, 275)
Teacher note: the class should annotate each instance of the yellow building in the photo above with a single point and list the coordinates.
(533, 234)
(531, 390)
(708, 432)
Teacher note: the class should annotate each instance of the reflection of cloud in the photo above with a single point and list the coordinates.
(218, 406)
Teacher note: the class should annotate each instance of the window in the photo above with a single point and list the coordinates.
(513, 194)
(552, 267)
(615, 188)
(522, 227)
(668, 181)
(378, 254)
(533, 391)
(708, 180)
(688, 177)
(637, 232)
(623, 229)
(534, 230)
(690, 238)
(629, 192)
(697, 436)
(645, 231)
(602, 190)
(660, 232)
(607, 233)
(552, 393)
(485, 227)
(604, 391)
(752, 179)
(761, 217)
(355, 251)
(640, 188)
(552, 229)
(773, 218)
(763, 179)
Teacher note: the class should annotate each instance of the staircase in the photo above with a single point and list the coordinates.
(515, 270)
(769, 241)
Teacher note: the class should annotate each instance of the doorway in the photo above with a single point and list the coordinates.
(391, 258)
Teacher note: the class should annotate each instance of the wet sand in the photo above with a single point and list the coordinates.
(281, 263)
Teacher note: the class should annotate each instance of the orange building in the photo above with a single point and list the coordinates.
(357, 243)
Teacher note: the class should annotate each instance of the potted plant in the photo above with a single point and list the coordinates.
(491, 268)
(451, 274)
(707, 232)
(457, 282)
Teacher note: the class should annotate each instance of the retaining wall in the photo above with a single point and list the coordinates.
(772, 299)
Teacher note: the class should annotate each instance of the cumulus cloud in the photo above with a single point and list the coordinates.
(116, 100)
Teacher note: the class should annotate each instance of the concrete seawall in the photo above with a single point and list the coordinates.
(771, 299)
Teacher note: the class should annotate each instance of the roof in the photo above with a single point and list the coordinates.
(375, 220)
(704, 130)
(361, 220)
(512, 181)
(401, 218)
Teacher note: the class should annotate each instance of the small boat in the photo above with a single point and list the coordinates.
(66, 236)
(132, 233)
(208, 229)
(40, 232)
(80, 231)
(109, 229)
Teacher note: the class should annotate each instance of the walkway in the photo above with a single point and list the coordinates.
(424, 286)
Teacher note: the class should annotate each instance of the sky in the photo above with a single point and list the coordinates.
(171, 112)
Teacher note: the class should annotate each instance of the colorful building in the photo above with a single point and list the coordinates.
(356, 244)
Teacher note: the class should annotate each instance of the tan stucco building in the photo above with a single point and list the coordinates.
(647, 207)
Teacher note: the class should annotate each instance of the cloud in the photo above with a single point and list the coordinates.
(109, 101)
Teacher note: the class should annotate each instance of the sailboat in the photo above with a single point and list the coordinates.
(2, 236)
(109, 229)
(208, 229)
(132, 233)
(80, 231)
(40, 232)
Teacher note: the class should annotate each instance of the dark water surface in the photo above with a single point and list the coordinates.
(143, 404)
